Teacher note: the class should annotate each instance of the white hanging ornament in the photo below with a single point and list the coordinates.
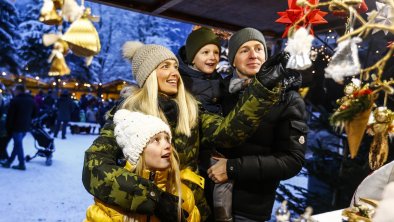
(299, 46)
(384, 16)
(345, 61)
(71, 11)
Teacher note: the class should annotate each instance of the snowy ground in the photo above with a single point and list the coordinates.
(47, 193)
(54, 193)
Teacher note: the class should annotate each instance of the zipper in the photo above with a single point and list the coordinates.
(152, 175)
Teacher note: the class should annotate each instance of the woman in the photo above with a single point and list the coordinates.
(162, 94)
(146, 143)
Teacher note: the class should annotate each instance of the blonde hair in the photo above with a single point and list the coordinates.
(146, 98)
(173, 183)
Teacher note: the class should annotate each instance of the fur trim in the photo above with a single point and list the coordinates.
(130, 47)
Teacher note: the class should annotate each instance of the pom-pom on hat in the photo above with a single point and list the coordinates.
(133, 130)
(198, 39)
(145, 58)
(242, 36)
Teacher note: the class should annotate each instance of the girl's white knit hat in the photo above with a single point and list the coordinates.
(133, 130)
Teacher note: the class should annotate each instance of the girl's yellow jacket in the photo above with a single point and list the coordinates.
(102, 212)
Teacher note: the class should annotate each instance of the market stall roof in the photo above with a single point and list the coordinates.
(226, 14)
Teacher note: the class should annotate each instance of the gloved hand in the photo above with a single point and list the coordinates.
(167, 208)
(273, 70)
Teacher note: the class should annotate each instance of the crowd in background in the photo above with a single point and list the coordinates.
(59, 109)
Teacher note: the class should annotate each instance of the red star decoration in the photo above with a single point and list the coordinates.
(295, 12)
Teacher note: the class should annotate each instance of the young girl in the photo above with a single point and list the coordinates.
(146, 143)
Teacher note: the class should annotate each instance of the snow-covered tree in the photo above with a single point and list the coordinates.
(9, 37)
(31, 49)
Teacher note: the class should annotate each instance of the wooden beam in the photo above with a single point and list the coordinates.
(178, 16)
(166, 5)
(209, 22)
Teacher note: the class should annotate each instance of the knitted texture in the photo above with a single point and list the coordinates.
(133, 130)
(198, 39)
(145, 59)
(242, 36)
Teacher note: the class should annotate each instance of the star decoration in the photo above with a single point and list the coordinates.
(384, 16)
(295, 12)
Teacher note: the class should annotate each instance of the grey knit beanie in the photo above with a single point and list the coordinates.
(242, 36)
(145, 58)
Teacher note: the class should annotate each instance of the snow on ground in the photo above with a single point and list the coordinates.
(47, 193)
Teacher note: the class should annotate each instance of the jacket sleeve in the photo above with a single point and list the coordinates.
(113, 184)
(242, 121)
(287, 155)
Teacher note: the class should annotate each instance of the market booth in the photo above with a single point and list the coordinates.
(108, 90)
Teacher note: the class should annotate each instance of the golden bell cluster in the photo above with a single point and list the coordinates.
(81, 37)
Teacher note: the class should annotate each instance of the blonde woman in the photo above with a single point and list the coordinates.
(162, 94)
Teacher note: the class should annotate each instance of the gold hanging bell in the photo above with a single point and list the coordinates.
(82, 37)
(59, 66)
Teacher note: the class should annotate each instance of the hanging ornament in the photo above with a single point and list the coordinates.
(360, 6)
(383, 16)
(353, 113)
(380, 127)
(82, 37)
(299, 46)
(295, 13)
(345, 61)
(71, 11)
(48, 14)
(58, 66)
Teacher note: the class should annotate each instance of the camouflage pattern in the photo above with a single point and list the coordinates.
(114, 185)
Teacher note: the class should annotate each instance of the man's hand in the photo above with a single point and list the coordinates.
(273, 70)
(218, 172)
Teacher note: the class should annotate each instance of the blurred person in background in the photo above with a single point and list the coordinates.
(65, 106)
(19, 116)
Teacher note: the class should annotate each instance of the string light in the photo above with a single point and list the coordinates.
(37, 78)
(19, 80)
(64, 83)
(4, 73)
(54, 83)
(100, 84)
(76, 84)
(377, 51)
